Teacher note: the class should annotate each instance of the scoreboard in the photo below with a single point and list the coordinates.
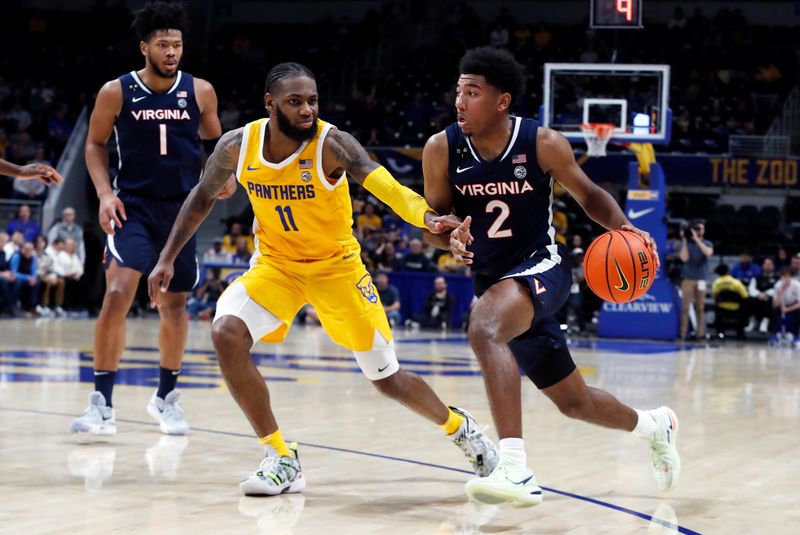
(616, 14)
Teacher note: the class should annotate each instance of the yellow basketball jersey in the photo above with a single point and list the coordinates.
(299, 214)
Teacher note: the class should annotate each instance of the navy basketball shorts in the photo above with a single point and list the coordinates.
(541, 352)
(139, 242)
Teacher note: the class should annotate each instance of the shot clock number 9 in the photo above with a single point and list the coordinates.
(616, 14)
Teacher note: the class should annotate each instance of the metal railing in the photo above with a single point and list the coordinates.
(760, 146)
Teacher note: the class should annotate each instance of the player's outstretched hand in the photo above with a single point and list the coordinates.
(460, 238)
(158, 281)
(648, 239)
(39, 171)
(111, 209)
(437, 224)
(229, 188)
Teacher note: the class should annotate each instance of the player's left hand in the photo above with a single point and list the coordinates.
(437, 224)
(39, 171)
(229, 188)
(158, 281)
(648, 239)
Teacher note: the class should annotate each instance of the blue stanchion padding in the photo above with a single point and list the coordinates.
(655, 315)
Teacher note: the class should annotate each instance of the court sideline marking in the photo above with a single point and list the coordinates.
(608, 505)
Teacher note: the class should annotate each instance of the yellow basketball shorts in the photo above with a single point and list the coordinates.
(340, 290)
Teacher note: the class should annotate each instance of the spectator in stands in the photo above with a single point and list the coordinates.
(762, 291)
(26, 279)
(7, 280)
(203, 304)
(678, 20)
(69, 267)
(745, 270)
(49, 281)
(787, 303)
(415, 259)
(4, 239)
(781, 259)
(729, 296)
(23, 223)
(59, 129)
(67, 228)
(575, 299)
(439, 305)
(794, 265)
(694, 254)
(230, 117)
(31, 190)
(386, 257)
(560, 222)
(229, 241)
(243, 252)
(446, 263)
(390, 298)
(394, 226)
(217, 254)
(368, 220)
(14, 244)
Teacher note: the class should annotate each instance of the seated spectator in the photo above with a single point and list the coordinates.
(70, 268)
(575, 300)
(729, 295)
(369, 219)
(203, 304)
(7, 280)
(243, 252)
(23, 223)
(26, 279)
(49, 281)
(14, 244)
(390, 298)
(762, 291)
(439, 305)
(415, 259)
(787, 303)
(560, 222)
(447, 264)
(386, 257)
(794, 264)
(394, 226)
(230, 239)
(745, 270)
(217, 254)
(67, 228)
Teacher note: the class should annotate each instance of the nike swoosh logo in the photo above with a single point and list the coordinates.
(381, 369)
(101, 373)
(137, 99)
(459, 170)
(623, 282)
(345, 257)
(520, 482)
(253, 168)
(636, 214)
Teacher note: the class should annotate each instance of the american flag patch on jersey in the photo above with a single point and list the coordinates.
(182, 94)
(306, 164)
(519, 158)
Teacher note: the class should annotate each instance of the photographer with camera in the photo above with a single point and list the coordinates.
(695, 252)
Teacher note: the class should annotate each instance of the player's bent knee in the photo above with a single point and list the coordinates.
(379, 362)
(230, 333)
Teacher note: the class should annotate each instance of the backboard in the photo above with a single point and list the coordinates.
(633, 97)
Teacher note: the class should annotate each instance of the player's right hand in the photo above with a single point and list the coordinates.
(39, 171)
(460, 238)
(111, 209)
(158, 281)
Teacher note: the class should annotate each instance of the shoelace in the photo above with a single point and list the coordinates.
(172, 411)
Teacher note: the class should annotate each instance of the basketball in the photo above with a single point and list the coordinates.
(619, 266)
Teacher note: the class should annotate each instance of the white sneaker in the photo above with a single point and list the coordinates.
(60, 312)
(663, 449)
(481, 452)
(276, 475)
(507, 483)
(764, 326)
(751, 325)
(97, 419)
(168, 413)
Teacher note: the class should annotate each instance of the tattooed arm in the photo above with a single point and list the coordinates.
(343, 154)
(195, 209)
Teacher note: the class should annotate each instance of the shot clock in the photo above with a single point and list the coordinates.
(616, 14)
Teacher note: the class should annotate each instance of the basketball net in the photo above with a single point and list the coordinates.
(597, 136)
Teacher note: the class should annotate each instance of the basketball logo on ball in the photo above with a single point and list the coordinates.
(619, 266)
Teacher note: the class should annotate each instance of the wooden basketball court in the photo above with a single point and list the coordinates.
(374, 467)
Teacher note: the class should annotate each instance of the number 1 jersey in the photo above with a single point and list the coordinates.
(300, 215)
(157, 138)
(509, 198)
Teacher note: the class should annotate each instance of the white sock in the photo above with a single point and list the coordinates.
(513, 449)
(646, 427)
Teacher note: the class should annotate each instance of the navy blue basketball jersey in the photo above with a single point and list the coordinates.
(157, 138)
(509, 198)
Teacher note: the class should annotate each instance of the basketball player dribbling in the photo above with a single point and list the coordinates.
(156, 114)
(496, 171)
(294, 168)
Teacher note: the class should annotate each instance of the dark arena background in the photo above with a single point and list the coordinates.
(686, 113)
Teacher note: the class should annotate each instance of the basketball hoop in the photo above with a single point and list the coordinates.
(597, 136)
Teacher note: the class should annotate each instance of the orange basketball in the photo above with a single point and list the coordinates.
(619, 266)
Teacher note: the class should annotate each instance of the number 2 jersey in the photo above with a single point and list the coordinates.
(509, 198)
(157, 139)
(300, 216)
